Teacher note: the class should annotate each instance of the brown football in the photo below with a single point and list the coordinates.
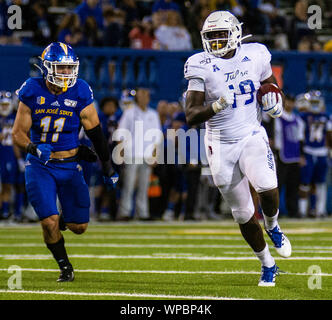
(265, 88)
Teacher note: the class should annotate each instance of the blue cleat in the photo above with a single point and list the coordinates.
(280, 241)
(268, 276)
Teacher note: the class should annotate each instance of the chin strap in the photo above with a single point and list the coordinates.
(64, 89)
(245, 37)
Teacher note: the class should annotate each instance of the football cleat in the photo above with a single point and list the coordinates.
(268, 276)
(280, 241)
(67, 274)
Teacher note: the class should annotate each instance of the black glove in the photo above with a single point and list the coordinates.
(87, 154)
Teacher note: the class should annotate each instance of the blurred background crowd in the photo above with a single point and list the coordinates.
(175, 191)
(163, 24)
(183, 190)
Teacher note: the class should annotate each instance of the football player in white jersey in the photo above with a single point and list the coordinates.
(222, 87)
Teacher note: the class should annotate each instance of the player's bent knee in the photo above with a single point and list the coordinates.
(50, 223)
(242, 216)
(77, 228)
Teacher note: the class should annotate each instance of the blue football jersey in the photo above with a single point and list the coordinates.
(55, 118)
(6, 128)
(316, 126)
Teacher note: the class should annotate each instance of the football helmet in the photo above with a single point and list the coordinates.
(60, 65)
(316, 100)
(221, 33)
(6, 103)
(311, 101)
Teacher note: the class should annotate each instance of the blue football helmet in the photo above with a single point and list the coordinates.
(6, 103)
(60, 65)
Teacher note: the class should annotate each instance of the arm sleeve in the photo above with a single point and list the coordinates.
(277, 133)
(194, 69)
(85, 95)
(301, 129)
(196, 84)
(99, 142)
(25, 94)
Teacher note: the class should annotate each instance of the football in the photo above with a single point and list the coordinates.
(265, 88)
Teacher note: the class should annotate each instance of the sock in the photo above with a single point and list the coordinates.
(19, 199)
(183, 207)
(5, 209)
(321, 195)
(303, 206)
(271, 222)
(265, 257)
(59, 253)
(97, 204)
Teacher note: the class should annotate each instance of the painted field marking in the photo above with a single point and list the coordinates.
(170, 272)
(155, 256)
(153, 245)
(123, 294)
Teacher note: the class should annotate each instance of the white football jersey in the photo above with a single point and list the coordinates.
(242, 73)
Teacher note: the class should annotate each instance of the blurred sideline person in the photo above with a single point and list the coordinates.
(137, 170)
(11, 163)
(223, 81)
(288, 139)
(317, 142)
(52, 109)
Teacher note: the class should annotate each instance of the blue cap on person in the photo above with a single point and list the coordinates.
(60, 65)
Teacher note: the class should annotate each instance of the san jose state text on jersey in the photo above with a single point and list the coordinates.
(55, 118)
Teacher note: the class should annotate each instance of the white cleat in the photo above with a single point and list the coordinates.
(280, 241)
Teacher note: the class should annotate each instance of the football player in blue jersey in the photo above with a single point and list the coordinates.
(318, 139)
(11, 166)
(53, 108)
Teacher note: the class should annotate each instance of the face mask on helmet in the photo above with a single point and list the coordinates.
(221, 33)
(6, 104)
(62, 74)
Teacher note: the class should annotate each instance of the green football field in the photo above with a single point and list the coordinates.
(203, 260)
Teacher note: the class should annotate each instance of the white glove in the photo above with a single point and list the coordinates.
(225, 100)
(271, 105)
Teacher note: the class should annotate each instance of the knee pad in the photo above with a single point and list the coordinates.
(239, 199)
(242, 216)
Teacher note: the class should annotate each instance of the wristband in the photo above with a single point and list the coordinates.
(32, 149)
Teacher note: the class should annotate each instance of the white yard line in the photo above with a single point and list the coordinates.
(125, 245)
(88, 236)
(168, 272)
(123, 294)
(180, 256)
(153, 245)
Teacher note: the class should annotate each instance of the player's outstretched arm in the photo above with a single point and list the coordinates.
(22, 126)
(195, 110)
(92, 128)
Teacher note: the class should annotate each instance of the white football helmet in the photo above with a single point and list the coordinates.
(311, 101)
(6, 103)
(221, 33)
